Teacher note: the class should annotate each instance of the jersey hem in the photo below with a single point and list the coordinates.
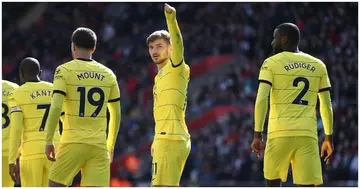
(294, 134)
(99, 145)
(171, 137)
(33, 156)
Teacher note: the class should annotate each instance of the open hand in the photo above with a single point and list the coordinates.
(328, 148)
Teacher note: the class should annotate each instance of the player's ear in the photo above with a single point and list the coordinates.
(21, 73)
(284, 40)
(93, 50)
(21, 76)
(73, 47)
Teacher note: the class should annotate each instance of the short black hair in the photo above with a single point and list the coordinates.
(30, 66)
(291, 31)
(84, 38)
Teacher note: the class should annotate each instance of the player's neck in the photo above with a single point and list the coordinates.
(33, 79)
(161, 65)
(83, 56)
(292, 49)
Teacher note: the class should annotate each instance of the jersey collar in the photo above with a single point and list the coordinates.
(33, 81)
(84, 59)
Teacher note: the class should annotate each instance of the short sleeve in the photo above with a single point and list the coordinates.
(266, 75)
(324, 81)
(60, 80)
(114, 92)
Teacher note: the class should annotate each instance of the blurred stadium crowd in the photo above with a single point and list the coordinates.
(220, 153)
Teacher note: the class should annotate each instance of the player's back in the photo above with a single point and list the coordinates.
(7, 89)
(297, 80)
(89, 86)
(33, 99)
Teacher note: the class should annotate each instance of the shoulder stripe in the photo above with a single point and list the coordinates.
(265, 81)
(114, 100)
(60, 92)
(15, 111)
(324, 89)
(174, 66)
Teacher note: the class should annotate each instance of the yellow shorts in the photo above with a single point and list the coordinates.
(169, 158)
(34, 172)
(301, 152)
(6, 178)
(94, 163)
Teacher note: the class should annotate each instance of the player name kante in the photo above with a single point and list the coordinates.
(40, 93)
(306, 66)
(90, 75)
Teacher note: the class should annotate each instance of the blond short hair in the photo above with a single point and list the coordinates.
(160, 34)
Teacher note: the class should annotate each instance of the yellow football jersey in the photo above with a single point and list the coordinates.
(33, 99)
(296, 80)
(7, 89)
(88, 86)
(170, 97)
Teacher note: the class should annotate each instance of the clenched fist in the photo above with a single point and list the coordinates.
(170, 11)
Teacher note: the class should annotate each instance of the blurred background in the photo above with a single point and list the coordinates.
(225, 45)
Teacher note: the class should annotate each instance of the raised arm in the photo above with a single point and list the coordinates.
(177, 55)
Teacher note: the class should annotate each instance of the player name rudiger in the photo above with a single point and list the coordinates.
(40, 93)
(306, 66)
(90, 75)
